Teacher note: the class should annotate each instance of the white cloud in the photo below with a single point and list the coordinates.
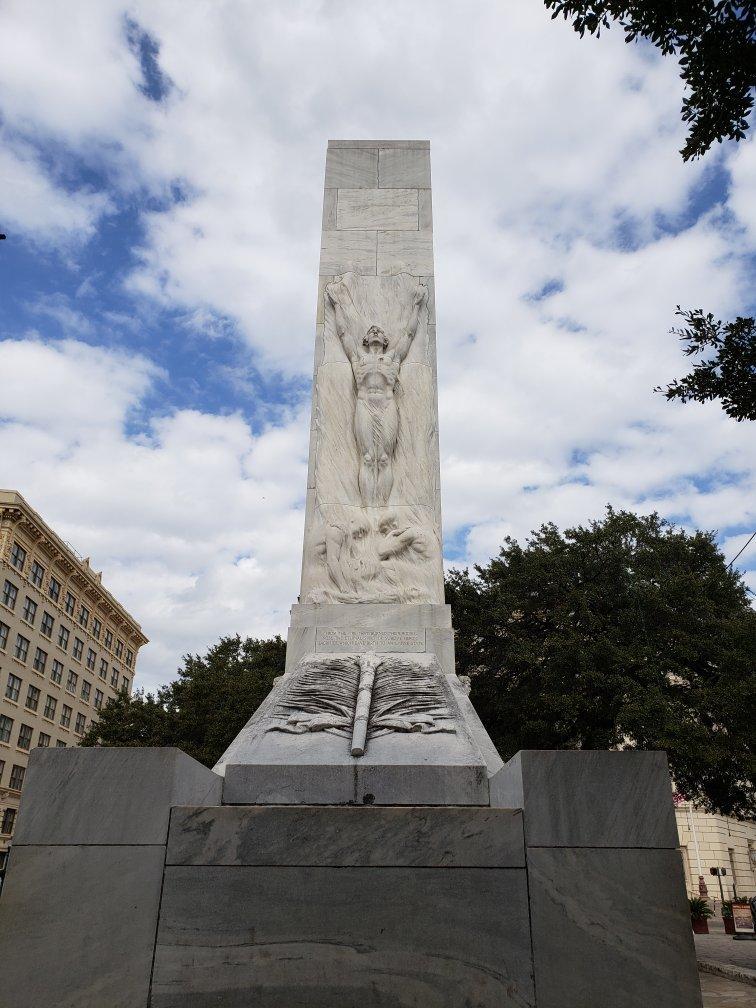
(196, 523)
(555, 160)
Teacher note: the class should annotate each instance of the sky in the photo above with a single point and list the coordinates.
(161, 172)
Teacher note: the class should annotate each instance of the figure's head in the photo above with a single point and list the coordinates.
(375, 339)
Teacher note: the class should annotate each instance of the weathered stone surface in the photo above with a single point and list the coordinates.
(394, 209)
(366, 836)
(348, 251)
(109, 796)
(405, 252)
(400, 168)
(77, 926)
(611, 928)
(590, 799)
(359, 144)
(346, 937)
(356, 639)
(329, 209)
(351, 167)
(371, 617)
(425, 209)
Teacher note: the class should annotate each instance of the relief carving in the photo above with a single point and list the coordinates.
(376, 360)
(363, 696)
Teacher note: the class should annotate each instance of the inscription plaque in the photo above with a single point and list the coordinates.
(337, 639)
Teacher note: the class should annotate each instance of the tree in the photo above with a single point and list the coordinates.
(729, 375)
(204, 709)
(715, 41)
(627, 632)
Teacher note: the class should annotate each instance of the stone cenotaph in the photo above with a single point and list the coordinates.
(361, 843)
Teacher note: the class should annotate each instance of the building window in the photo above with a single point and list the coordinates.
(9, 818)
(54, 589)
(63, 635)
(72, 681)
(130, 658)
(84, 617)
(18, 556)
(114, 677)
(4, 631)
(70, 604)
(99, 697)
(40, 660)
(10, 594)
(108, 639)
(6, 727)
(86, 689)
(91, 659)
(47, 624)
(22, 648)
(24, 737)
(16, 781)
(60, 745)
(81, 723)
(96, 628)
(65, 715)
(103, 669)
(2, 770)
(125, 683)
(78, 648)
(12, 687)
(119, 648)
(50, 704)
(43, 741)
(32, 698)
(57, 671)
(37, 574)
(30, 610)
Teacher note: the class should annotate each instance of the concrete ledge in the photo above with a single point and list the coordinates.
(589, 798)
(352, 837)
(109, 796)
(740, 973)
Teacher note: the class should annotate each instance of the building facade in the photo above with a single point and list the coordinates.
(715, 841)
(67, 647)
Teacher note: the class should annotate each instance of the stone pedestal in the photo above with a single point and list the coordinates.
(565, 892)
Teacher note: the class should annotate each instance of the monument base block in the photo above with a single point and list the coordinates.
(156, 895)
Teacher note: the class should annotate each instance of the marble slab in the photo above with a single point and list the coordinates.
(351, 167)
(77, 926)
(392, 209)
(342, 938)
(366, 836)
(590, 798)
(347, 251)
(611, 928)
(357, 639)
(109, 796)
(404, 167)
(405, 252)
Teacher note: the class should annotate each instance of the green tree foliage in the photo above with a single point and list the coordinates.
(715, 41)
(626, 632)
(728, 374)
(204, 709)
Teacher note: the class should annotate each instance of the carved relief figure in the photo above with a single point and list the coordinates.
(376, 362)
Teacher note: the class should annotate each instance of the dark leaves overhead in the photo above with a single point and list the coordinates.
(715, 42)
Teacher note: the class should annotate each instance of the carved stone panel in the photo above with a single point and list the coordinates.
(373, 529)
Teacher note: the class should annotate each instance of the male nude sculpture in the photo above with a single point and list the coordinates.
(375, 367)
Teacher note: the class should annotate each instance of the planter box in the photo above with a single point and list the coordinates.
(700, 925)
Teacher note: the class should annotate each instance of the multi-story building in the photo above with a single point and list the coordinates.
(67, 647)
(715, 841)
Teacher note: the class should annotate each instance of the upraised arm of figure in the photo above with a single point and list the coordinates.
(420, 300)
(337, 294)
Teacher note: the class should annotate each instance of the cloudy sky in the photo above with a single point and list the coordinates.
(161, 169)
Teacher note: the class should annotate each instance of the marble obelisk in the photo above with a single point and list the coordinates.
(370, 706)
